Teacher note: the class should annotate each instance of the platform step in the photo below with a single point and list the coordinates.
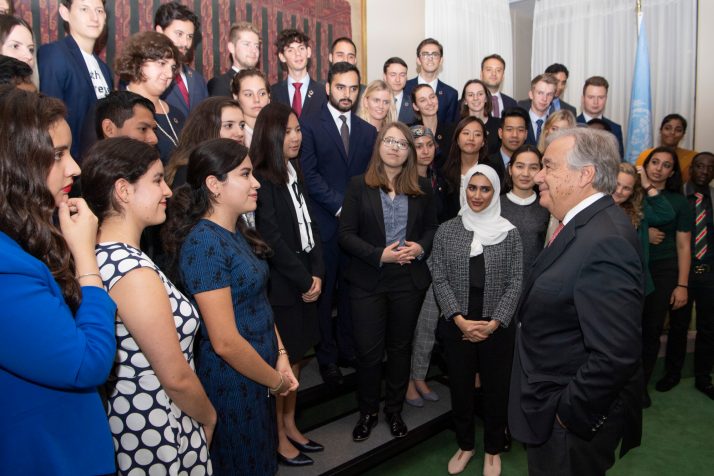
(342, 456)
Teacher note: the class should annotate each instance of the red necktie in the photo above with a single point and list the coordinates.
(297, 99)
(556, 233)
(182, 87)
(495, 107)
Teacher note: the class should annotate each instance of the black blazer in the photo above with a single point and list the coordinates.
(362, 234)
(221, 85)
(311, 106)
(579, 336)
(276, 221)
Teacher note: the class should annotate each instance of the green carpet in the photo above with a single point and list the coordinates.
(678, 439)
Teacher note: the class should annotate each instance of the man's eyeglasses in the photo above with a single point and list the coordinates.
(430, 54)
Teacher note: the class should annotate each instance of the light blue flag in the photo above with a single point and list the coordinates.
(639, 129)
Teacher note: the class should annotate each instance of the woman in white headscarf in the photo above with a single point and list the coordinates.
(477, 271)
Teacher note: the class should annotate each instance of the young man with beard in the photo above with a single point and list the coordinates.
(244, 48)
(181, 25)
(336, 145)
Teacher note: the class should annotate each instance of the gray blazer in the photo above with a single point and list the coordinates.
(450, 272)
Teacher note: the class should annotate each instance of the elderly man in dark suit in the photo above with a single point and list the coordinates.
(336, 145)
(576, 384)
(305, 95)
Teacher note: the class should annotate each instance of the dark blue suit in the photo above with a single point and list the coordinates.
(64, 75)
(406, 111)
(614, 127)
(312, 103)
(448, 100)
(508, 103)
(197, 92)
(327, 169)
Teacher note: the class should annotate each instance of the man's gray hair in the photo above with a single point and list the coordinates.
(596, 148)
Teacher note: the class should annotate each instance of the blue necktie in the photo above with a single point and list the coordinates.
(539, 128)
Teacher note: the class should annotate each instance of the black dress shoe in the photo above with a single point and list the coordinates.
(309, 447)
(706, 389)
(331, 375)
(397, 427)
(364, 426)
(667, 383)
(299, 460)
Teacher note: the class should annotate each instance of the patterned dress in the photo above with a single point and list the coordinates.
(245, 440)
(151, 434)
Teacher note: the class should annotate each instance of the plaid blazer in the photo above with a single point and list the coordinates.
(450, 274)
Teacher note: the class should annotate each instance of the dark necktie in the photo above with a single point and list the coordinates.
(297, 99)
(539, 128)
(495, 108)
(182, 87)
(700, 227)
(345, 133)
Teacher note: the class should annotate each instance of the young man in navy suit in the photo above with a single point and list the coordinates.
(181, 25)
(538, 104)
(493, 68)
(336, 145)
(576, 384)
(594, 102)
(299, 91)
(430, 55)
(69, 70)
(244, 48)
(395, 75)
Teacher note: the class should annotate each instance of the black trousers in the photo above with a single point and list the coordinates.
(701, 295)
(566, 454)
(385, 319)
(336, 339)
(492, 358)
(664, 275)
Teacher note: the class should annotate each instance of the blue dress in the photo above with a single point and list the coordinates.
(245, 439)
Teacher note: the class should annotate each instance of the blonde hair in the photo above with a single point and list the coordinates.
(373, 87)
(561, 115)
(633, 205)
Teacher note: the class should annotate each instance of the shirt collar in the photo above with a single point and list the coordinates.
(582, 206)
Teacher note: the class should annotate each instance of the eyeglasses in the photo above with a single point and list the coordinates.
(430, 54)
(392, 142)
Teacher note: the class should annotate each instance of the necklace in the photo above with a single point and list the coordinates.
(174, 139)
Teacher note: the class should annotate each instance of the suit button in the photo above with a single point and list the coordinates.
(520, 325)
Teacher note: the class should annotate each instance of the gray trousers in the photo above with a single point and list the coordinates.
(424, 336)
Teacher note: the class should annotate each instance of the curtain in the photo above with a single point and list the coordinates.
(599, 37)
(470, 30)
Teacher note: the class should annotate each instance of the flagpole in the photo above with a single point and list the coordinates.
(638, 10)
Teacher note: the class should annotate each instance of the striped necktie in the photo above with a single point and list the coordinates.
(700, 227)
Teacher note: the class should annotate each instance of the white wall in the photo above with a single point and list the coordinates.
(394, 28)
(703, 129)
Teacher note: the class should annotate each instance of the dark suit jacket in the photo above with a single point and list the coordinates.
(579, 337)
(508, 102)
(406, 111)
(614, 127)
(448, 100)
(563, 105)
(327, 168)
(276, 221)
(525, 104)
(64, 75)
(197, 92)
(221, 85)
(362, 234)
(314, 100)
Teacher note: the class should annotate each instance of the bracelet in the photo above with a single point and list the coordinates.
(275, 390)
(88, 275)
(282, 351)
(683, 286)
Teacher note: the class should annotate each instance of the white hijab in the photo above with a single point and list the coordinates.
(488, 226)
